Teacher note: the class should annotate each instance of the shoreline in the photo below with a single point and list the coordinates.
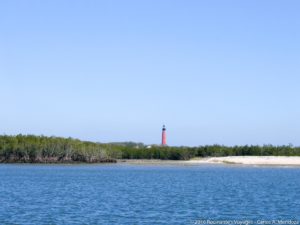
(277, 161)
(293, 161)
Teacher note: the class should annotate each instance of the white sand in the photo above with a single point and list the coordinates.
(243, 160)
(251, 160)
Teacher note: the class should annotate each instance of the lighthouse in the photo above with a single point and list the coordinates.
(164, 136)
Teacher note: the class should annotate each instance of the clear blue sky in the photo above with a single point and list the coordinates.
(225, 72)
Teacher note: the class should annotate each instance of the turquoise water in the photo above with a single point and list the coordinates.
(126, 194)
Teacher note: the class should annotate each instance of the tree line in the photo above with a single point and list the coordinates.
(41, 149)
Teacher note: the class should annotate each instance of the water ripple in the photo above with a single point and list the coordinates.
(118, 194)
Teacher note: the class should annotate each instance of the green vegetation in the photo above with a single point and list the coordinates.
(41, 149)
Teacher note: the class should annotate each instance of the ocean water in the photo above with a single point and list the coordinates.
(127, 194)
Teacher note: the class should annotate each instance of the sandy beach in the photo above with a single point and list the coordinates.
(243, 160)
(251, 160)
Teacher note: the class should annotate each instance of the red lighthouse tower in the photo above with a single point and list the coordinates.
(164, 136)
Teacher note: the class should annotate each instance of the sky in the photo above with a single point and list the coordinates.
(214, 72)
